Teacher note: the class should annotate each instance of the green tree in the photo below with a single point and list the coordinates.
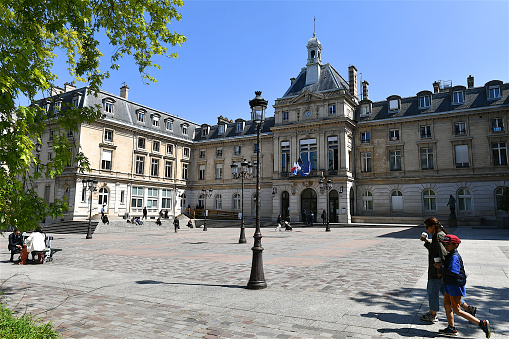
(30, 33)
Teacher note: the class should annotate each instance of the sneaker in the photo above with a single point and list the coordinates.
(429, 317)
(472, 310)
(485, 326)
(449, 330)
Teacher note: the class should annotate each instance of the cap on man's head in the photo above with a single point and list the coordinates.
(452, 239)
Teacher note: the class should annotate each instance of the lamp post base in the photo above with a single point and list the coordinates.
(257, 279)
(327, 229)
(88, 236)
(242, 239)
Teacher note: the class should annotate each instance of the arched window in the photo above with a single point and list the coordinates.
(429, 200)
(367, 201)
(103, 196)
(218, 202)
(236, 201)
(201, 201)
(499, 192)
(464, 199)
(397, 200)
(183, 200)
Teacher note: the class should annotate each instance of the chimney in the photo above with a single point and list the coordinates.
(292, 80)
(124, 92)
(436, 87)
(352, 80)
(470, 81)
(69, 87)
(55, 90)
(365, 85)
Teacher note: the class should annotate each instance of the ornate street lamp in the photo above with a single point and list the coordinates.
(90, 185)
(205, 195)
(243, 173)
(257, 279)
(326, 187)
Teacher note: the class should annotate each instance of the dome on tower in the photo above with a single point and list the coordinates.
(313, 41)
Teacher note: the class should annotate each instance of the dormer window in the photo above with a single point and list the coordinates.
(45, 106)
(168, 123)
(239, 126)
(221, 129)
(108, 105)
(76, 99)
(494, 93)
(57, 106)
(140, 115)
(458, 95)
(394, 102)
(184, 128)
(365, 110)
(155, 120)
(425, 101)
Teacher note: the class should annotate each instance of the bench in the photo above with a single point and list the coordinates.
(47, 253)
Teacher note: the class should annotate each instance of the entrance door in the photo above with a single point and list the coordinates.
(285, 204)
(333, 206)
(397, 201)
(103, 199)
(308, 202)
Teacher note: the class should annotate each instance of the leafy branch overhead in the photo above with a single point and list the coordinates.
(31, 32)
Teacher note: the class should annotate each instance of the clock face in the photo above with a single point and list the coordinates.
(307, 114)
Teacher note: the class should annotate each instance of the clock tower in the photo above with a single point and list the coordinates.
(314, 60)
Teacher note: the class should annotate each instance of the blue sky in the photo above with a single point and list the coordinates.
(236, 47)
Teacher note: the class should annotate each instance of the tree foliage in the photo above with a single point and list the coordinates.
(31, 31)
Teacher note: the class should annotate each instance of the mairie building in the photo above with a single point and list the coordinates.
(392, 160)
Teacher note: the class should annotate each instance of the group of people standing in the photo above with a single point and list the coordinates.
(446, 275)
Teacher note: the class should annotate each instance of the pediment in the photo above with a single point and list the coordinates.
(307, 96)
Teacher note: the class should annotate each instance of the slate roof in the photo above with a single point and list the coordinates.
(230, 131)
(440, 103)
(329, 80)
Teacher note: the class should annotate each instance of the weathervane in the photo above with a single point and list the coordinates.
(314, 26)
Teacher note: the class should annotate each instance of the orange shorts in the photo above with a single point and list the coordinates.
(453, 301)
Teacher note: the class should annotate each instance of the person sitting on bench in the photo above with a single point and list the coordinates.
(15, 243)
(35, 244)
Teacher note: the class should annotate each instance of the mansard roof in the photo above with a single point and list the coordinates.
(231, 132)
(329, 80)
(475, 98)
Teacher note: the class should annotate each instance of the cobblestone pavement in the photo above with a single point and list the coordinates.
(351, 282)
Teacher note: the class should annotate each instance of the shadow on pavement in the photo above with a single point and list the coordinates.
(410, 332)
(155, 282)
(461, 232)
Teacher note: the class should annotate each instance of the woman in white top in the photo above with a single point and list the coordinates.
(36, 244)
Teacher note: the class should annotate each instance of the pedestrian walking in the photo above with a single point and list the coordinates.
(311, 218)
(435, 284)
(324, 216)
(103, 210)
(455, 279)
(176, 224)
(145, 213)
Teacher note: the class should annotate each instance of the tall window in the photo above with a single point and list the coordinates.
(332, 109)
(140, 164)
(308, 152)
(219, 171)
(395, 160)
(106, 161)
(497, 125)
(168, 169)
(285, 156)
(366, 162)
(184, 171)
(236, 201)
(219, 152)
(464, 199)
(201, 172)
(76, 102)
(155, 146)
(108, 135)
(141, 143)
(202, 153)
(137, 197)
(460, 128)
(394, 134)
(186, 152)
(367, 201)
(166, 199)
(285, 116)
(154, 168)
(236, 149)
(429, 200)
(333, 163)
(122, 196)
(168, 123)
(201, 201)
(426, 131)
(152, 197)
(239, 126)
(499, 150)
(221, 129)
(365, 137)
(169, 149)
(218, 202)
(427, 158)
(184, 129)
(461, 154)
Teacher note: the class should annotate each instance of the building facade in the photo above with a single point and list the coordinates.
(387, 160)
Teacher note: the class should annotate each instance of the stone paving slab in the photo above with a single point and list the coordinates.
(349, 283)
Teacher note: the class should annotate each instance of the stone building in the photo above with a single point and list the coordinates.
(388, 161)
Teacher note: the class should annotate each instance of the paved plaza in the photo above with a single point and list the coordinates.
(360, 282)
